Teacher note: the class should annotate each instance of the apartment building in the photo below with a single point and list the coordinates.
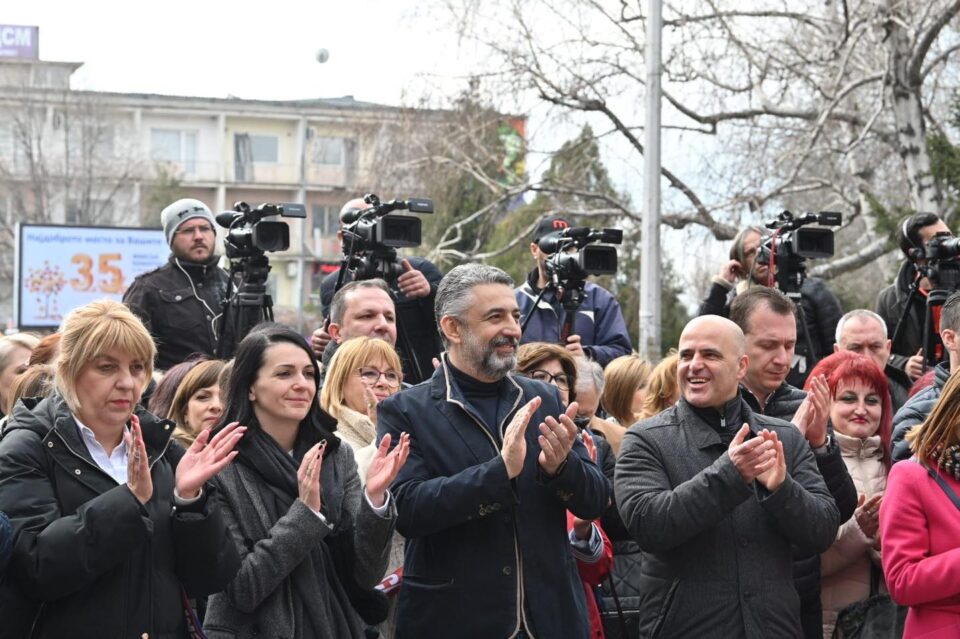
(82, 157)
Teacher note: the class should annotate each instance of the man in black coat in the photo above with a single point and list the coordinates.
(482, 498)
(413, 290)
(716, 495)
(180, 302)
(821, 308)
(913, 234)
(767, 318)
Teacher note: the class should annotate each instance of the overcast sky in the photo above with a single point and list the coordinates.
(249, 50)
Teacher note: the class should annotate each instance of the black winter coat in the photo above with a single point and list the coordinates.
(783, 404)
(717, 552)
(90, 561)
(915, 411)
(418, 340)
(180, 323)
(821, 311)
(891, 303)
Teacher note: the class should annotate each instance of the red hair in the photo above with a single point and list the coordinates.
(847, 368)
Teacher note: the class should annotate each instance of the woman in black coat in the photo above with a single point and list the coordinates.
(114, 522)
(313, 542)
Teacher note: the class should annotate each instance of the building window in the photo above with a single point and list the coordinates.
(326, 219)
(265, 148)
(6, 141)
(328, 151)
(171, 145)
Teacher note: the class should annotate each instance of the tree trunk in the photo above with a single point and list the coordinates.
(908, 116)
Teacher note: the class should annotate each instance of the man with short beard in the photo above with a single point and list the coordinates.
(482, 499)
(180, 302)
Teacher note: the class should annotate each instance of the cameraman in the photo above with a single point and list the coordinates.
(821, 309)
(180, 302)
(599, 331)
(912, 235)
(418, 341)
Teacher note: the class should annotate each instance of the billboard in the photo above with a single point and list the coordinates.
(62, 267)
(19, 42)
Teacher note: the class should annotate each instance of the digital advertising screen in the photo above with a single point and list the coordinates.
(62, 267)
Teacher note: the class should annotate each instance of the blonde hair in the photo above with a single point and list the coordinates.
(203, 375)
(92, 331)
(351, 355)
(36, 381)
(663, 390)
(622, 378)
(939, 430)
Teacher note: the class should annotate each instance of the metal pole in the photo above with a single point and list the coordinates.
(650, 257)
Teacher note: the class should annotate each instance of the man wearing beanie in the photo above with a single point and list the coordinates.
(180, 302)
(599, 330)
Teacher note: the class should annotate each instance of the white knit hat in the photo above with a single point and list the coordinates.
(180, 211)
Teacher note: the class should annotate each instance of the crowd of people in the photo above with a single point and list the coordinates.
(779, 473)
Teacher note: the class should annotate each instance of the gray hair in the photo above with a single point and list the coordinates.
(589, 373)
(861, 314)
(453, 294)
(338, 305)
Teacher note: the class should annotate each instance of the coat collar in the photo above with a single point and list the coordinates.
(703, 435)
(453, 405)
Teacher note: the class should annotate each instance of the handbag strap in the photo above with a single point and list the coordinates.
(943, 485)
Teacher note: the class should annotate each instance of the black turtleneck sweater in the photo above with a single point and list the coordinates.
(727, 422)
(483, 398)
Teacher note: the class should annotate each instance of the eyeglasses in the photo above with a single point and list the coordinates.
(372, 376)
(561, 381)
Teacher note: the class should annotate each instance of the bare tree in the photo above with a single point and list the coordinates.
(816, 104)
(65, 156)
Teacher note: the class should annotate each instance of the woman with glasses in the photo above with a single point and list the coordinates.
(551, 364)
(363, 372)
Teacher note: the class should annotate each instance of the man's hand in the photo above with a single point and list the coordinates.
(319, 341)
(773, 478)
(812, 416)
(573, 346)
(514, 449)
(752, 457)
(413, 283)
(730, 271)
(556, 439)
(915, 367)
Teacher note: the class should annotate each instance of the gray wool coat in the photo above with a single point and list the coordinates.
(716, 551)
(257, 603)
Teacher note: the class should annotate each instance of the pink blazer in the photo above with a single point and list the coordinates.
(920, 536)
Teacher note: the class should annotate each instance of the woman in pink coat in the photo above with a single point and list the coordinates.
(920, 525)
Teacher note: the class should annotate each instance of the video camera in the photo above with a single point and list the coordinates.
(248, 234)
(371, 237)
(791, 245)
(248, 238)
(942, 267)
(573, 257)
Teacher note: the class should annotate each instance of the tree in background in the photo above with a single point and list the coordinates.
(809, 105)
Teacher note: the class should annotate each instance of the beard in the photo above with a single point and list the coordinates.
(485, 356)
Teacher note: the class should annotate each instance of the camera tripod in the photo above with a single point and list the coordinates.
(249, 303)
